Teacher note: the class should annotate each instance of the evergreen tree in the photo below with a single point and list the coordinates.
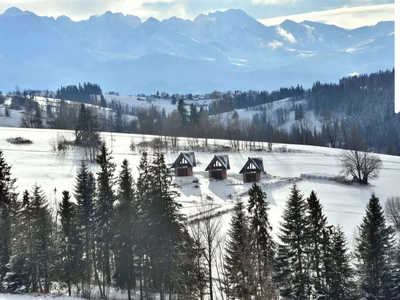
(125, 230)
(182, 111)
(7, 214)
(373, 249)
(338, 270)
(70, 241)
(237, 259)
(42, 237)
(18, 278)
(194, 114)
(261, 242)
(166, 225)
(104, 210)
(84, 193)
(143, 190)
(283, 274)
(165, 254)
(292, 257)
(317, 229)
(396, 272)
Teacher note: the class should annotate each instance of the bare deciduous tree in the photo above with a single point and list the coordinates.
(392, 210)
(208, 233)
(362, 166)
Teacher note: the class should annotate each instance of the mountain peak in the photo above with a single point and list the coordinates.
(289, 22)
(14, 12)
(231, 13)
(151, 21)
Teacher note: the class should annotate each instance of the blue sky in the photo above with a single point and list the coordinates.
(350, 13)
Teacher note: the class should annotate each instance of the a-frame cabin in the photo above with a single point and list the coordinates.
(217, 168)
(252, 170)
(184, 164)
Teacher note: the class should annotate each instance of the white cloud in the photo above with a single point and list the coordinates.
(346, 17)
(286, 35)
(274, 2)
(275, 45)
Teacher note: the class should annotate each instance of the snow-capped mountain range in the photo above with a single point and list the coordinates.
(220, 51)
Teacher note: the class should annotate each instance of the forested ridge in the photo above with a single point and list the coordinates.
(355, 113)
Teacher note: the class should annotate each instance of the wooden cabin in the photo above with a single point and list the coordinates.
(252, 170)
(184, 164)
(218, 167)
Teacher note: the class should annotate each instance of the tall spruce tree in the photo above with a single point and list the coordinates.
(7, 214)
(292, 258)
(43, 255)
(182, 110)
(143, 191)
(104, 211)
(84, 193)
(339, 273)
(125, 220)
(70, 242)
(19, 276)
(317, 224)
(261, 243)
(373, 249)
(166, 225)
(237, 259)
(396, 272)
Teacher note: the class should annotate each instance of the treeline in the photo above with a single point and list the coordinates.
(86, 93)
(357, 113)
(252, 98)
(197, 123)
(365, 100)
(129, 234)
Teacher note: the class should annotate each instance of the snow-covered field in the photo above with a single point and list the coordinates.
(343, 204)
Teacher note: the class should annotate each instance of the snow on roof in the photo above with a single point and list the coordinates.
(188, 156)
(222, 159)
(256, 161)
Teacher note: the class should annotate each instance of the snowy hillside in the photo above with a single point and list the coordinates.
(227, 50)
(141, 102)
(313, 168)
(283, 108)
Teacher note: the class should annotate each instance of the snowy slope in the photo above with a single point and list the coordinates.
(141, 102)
(270, 110)
(343, 204)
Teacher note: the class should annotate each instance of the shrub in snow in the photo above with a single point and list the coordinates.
(19, 140)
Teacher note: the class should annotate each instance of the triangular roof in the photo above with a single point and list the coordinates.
(257, 162)
(222, 159)
(188, 156)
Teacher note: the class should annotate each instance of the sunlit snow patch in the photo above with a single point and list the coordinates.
(359, 46)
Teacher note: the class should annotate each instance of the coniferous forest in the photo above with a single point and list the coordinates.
(110, 230)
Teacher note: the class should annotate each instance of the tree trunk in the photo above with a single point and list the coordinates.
(210, 277)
